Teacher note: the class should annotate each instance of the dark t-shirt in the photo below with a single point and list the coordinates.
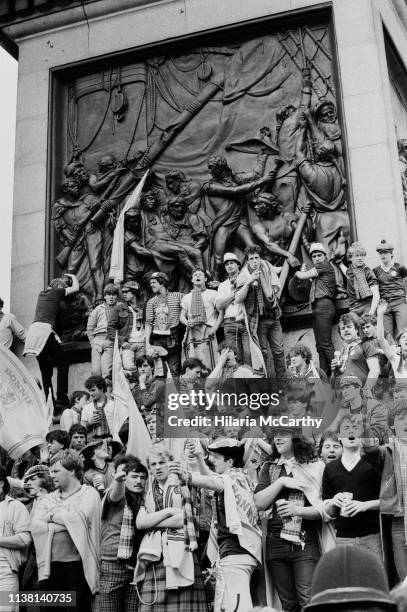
(112, 519)
(364, 482)
(275, 523)
(324, 285)
(111, 527)
(48, 306)
(385, 367)
(356, 364)
(228, 542)
(391, 284)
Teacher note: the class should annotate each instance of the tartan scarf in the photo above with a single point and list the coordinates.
(346, 352)
(252, 310)
(400, 467)
(360, 284)
(167, 501)
(260, 299)
(127, 531)
(102, 428)
(291, 530)
(127, 537)
(197, 314)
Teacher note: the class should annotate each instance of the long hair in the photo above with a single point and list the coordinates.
(304, 449)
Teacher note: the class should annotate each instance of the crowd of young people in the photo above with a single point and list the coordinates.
(239, 518)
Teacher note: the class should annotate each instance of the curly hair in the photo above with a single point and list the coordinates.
(304, 449)
(303, 350)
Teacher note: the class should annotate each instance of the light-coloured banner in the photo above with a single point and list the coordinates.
(23, 412)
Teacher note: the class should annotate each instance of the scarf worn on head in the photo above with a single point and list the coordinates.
(197, 314)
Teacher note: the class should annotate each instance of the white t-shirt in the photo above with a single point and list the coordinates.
(69, 417)
(209, 298)
(233, 310)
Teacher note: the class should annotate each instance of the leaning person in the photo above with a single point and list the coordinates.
(42, 340)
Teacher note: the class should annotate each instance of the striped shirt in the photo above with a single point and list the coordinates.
(173, 301)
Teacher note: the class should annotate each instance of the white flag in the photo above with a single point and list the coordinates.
(23, 411)
(117, 258)
(139, 443)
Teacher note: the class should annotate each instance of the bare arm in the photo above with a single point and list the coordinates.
(146, 520)
(219, 320)
(117, 489)
(207, 482)
(307, 274)
(375, 299)
(174, 522)
(147, 330)
(374, 372)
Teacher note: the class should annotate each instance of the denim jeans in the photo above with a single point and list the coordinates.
(291, 570)
(371, 542)
(323, 315)
(102, 356)
(237, 337)
(270, 334)
(399, 545)
(172, 344)
(395, 317)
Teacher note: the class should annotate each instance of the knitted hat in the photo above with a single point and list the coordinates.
(36, 470)
(349, 574)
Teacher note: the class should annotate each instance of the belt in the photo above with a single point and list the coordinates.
(173, 331)
(229, 319)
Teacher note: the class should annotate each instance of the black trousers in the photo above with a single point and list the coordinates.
(52, 356)
(68, 576)
(323, 316)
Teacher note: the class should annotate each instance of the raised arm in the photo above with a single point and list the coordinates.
(74, 287)
(387, 349)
